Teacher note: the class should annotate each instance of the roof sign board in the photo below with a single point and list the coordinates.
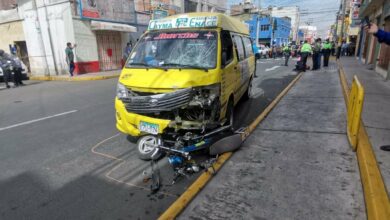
(158, 13)
(184, 22)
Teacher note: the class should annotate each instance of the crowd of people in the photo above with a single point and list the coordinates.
(11, 69)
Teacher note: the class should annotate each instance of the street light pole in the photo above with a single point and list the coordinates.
(343, 21)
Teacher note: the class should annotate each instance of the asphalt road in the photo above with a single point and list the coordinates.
(61, 156)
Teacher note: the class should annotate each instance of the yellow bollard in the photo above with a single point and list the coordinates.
(354, 111)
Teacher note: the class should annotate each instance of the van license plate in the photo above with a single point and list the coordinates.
(148, 127)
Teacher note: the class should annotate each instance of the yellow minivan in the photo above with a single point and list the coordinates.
(183, 79)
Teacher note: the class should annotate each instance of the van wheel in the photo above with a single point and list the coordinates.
(248, 93)
(145, 148)
(230, 114)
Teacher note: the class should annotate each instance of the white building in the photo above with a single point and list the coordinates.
(291, 12)
(100, 28)
(310, 32)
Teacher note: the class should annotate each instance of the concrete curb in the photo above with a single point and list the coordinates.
(61, 78)
(179, 205)
(375, 193)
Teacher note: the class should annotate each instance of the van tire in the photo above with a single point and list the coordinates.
(144, 152)
(230, 114)
(247, 95)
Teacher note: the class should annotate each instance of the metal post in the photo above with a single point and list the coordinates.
(257, 30)
(342, 24)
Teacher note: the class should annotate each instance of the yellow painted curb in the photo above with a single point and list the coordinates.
(75, 78)
(375, 194)
(177, 207)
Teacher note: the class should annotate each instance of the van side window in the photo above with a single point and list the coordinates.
(240, 47)
(248, 47)
(227, 46)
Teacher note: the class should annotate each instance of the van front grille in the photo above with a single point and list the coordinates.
(158, 102)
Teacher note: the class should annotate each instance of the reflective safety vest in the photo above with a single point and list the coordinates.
(306, 48)
(286, 49)
(327, 46)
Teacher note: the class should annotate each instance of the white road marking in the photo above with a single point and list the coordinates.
(272, 68)
(36, 120)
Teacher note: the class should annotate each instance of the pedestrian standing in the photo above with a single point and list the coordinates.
(344, 47)
(286, 53)
(333, 50)
(326, 50)
(127, 51)
(3, 62)
(70, 57)
(306, 50)
(274, 51)
(317, 54)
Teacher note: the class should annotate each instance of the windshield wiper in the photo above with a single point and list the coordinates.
(186, 65)
(146, 65)
(137, 64)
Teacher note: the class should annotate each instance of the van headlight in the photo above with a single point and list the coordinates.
(121, 91)
(206, 94)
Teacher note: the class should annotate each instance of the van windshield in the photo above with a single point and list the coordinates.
(184, 49)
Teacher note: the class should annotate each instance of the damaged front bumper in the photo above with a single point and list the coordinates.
(184, 109)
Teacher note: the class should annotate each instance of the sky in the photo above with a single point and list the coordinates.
(320, 13)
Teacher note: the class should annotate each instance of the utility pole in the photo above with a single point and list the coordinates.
(343, 21)
(258, 23)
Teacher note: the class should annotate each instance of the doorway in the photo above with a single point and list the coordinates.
(109, 50)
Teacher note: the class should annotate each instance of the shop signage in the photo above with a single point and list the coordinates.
(183, 22)
(108, 10)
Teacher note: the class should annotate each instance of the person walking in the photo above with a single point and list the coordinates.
(326, 51)
(317, 54)
(286, 53)
(306, 50)
(70, 57)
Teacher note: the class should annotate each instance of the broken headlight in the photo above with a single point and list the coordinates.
(205, 95)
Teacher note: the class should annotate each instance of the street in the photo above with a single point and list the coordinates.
(61, 156)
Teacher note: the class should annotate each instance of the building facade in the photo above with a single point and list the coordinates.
(369, 50)
(99, 28)
(293, 13)
(309, 33)
(271, 30)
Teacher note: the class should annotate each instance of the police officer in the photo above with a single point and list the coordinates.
(306, 50)
(326, 50)
(317, 54)
(6, 76)
(286, 53)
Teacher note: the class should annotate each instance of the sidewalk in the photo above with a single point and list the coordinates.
(82, 77)
(297, 164)
(376, 110)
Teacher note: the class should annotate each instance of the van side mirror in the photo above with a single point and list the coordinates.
(224, 57)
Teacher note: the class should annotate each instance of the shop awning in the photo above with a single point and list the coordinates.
(109, 26)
